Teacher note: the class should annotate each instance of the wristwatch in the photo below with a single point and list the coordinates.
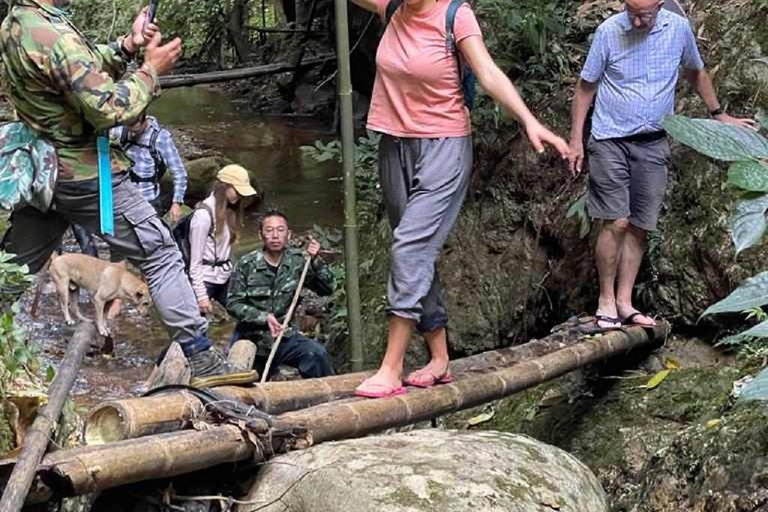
(716, 112)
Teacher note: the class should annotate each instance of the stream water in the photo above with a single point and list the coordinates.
(308, 192)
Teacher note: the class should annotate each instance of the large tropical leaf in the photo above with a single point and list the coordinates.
(757, 389)
(749, 223)
(717, 140)
(753, 293)
(749, 175)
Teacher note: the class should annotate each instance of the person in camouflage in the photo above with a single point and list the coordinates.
(67, 90)
(260, 293)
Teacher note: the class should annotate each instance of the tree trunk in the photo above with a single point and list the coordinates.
(36, 441)
(237, 31)
(169, 82)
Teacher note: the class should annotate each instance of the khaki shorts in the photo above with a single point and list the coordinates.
(628, 179)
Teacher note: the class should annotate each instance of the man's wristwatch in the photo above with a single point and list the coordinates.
(716, 112)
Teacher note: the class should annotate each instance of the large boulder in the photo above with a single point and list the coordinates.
(428, 470)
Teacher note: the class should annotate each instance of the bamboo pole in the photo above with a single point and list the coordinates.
(36, 440)
(360, 417)
(135, 417)
(91, 469)
(169, 82)
(350, 200)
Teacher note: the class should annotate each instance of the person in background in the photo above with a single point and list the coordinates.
(632, 68)
(213, 230)
(152, 153)
(261, 291)
(425, 164)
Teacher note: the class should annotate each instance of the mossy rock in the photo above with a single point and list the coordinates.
(428, 470)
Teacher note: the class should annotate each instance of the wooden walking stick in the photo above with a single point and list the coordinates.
(36, 440)
(287, 319)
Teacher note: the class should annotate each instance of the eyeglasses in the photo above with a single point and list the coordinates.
(646, 17)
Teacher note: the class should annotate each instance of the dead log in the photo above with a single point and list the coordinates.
(169, 82)
(95, 468)
(135, 417)
(36, 441)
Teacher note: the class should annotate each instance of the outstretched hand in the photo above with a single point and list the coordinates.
(744, 122)
(540, 136)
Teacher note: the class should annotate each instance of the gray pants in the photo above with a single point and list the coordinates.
(140, 235)
(424, 183)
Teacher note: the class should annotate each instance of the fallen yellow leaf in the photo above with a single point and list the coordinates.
(657, 379)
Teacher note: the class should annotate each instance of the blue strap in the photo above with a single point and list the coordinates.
(450, 18)
(106, 204)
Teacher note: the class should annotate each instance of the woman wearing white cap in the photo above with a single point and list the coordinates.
(213, 230)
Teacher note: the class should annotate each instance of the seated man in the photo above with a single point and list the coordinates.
(152, 152)
(261, 290)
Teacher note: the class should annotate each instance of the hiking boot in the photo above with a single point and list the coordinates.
(210, 365)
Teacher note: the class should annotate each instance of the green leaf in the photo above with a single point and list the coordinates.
(717, 140)
(751, 294)
(758, 331)
(50, 373)
(757, 389)
(748, 223)
(749, 175)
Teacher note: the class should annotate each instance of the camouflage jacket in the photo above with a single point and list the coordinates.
(255, 291)
(66, 88)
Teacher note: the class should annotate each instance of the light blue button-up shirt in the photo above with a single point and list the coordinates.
(637, 73)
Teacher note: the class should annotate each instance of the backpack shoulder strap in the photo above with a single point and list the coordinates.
(124, 142)
(202, 206)
(450, 19)
(392, 6)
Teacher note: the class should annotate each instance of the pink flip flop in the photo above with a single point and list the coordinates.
(379, 390)
(424, 378)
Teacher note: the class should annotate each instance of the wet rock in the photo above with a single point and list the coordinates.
(428, 470)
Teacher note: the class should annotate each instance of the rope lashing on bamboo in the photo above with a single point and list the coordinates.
(267, 434)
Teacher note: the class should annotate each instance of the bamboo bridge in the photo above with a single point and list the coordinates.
(175, 433)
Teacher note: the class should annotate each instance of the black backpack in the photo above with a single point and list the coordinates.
(181, 232)
(466, 75)
(160, 167)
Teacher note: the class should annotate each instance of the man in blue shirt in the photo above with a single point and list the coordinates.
(632, 68)
(152, 152)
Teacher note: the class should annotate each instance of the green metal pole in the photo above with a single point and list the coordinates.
(350, 200)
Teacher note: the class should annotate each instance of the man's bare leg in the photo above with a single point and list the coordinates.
(608, 253)
(632, 251)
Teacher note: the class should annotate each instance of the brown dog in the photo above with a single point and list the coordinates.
(106, 281)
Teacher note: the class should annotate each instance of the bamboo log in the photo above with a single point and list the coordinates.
(359, 417)
(95, 468)
(168, 82)
(36, 440)
(135, 417)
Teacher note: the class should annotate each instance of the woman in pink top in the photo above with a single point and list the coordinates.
(425, 162)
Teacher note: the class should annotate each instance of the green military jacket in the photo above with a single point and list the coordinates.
(255, 291)
(66, 88)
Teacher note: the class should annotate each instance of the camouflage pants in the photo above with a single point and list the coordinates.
(140, 235)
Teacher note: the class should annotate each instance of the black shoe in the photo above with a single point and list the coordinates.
(209, 368)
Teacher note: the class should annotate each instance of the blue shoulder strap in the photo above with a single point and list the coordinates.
(450, 18)
(106, 208)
